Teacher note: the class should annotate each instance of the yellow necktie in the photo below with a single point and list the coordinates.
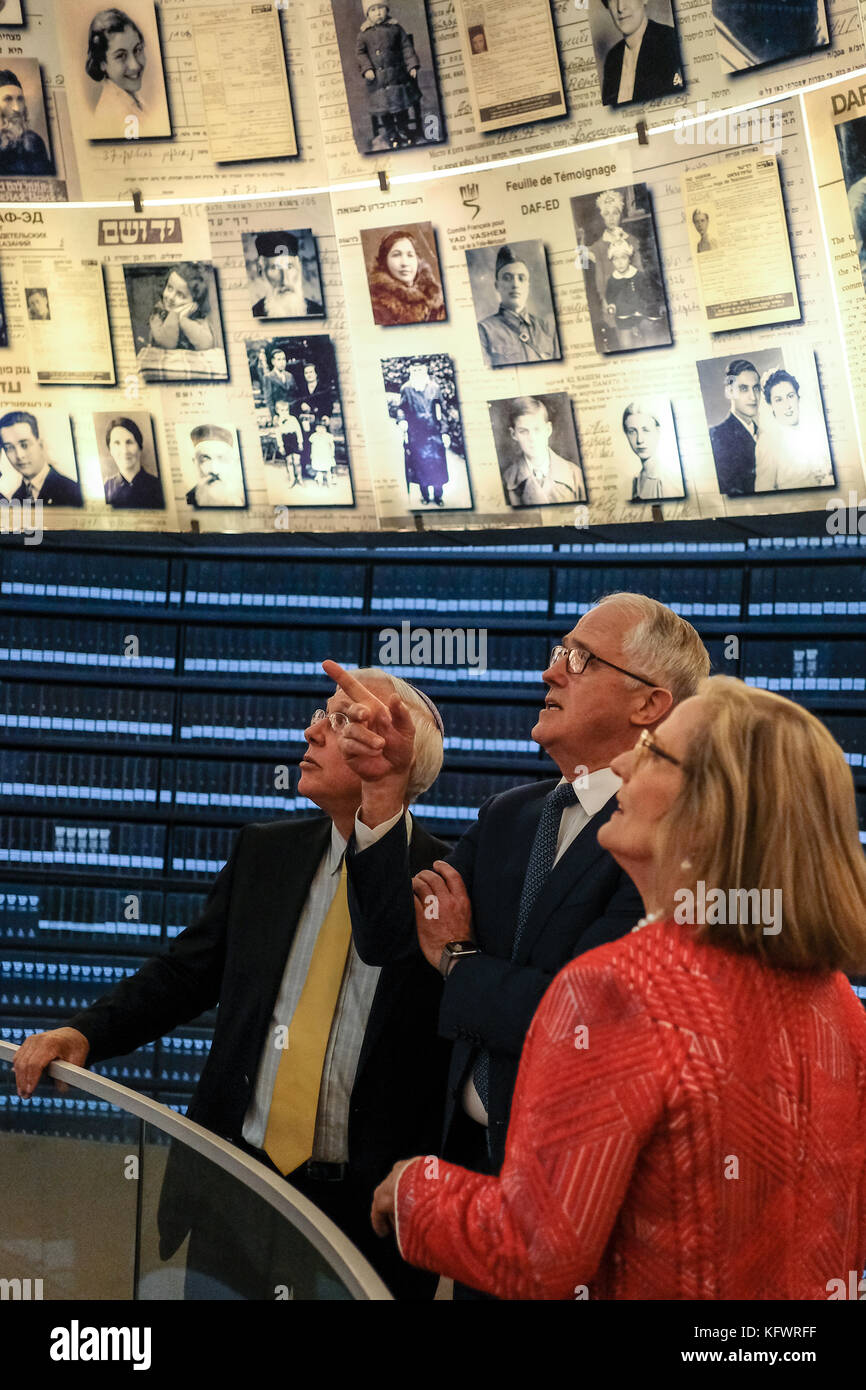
(295, 1101)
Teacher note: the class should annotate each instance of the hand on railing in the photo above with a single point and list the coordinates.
(40, 1049)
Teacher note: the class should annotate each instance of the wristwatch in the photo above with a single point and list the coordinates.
(454, 951)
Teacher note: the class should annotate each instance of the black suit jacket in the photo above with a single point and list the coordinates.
(658, 72)
(56, 491)
(235, 954)
(488, 1000)
(734, 456)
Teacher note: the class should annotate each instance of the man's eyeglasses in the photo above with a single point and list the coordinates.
(647, 744)
(578, 657)
(337, 720)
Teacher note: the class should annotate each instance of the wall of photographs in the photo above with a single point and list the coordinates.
(333, 265)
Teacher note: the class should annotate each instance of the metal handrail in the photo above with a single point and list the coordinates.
(348, 1263)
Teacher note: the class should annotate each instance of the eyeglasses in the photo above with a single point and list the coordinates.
(337, 720)
(578, 657)
(647, 744)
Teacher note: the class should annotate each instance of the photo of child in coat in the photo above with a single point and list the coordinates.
(389, 66)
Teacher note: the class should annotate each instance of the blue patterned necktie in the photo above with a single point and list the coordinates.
(541, 859)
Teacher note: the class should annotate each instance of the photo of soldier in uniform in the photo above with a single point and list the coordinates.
(513, 303)
(387, 61)
(617, 249)
(536, 447)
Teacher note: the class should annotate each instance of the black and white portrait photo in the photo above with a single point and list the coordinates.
(25, 148)
(513, 303)
(428, 442)
(637, 50)
(176, 326)
(403, 274)
(37, 458)
(283, 274)
(113, 64)
(766, 422)
(851, 137)
(704, 228)
(750, 33)
(299, 415)
(617, 249)
(387, 61)
(477, 38)
(648, 456)
(211, 465)
(38, 306)
(536, 447)
(127, 458)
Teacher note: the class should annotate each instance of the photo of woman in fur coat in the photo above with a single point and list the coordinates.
(404, 286)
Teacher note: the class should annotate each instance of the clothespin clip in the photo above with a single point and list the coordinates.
(657, 512)
(136, 200)
(642, 133)
(384, 185)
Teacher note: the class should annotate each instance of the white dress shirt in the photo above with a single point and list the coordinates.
(593, 791)
(629, 65)
(331, 1141)
(35, 485)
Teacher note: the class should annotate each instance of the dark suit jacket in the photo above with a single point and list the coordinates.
(57, 491)
(734, 456)
(312, 307)
(235, 954)
(658, 72)
(486, 999)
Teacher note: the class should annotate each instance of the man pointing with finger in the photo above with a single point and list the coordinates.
(528, 887)
(322, 1067)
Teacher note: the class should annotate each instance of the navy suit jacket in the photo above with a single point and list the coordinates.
(488, 999)
(734, 456)
(235, 954)
(56, 491)
(658, 73)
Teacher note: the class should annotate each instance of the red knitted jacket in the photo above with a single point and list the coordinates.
(688, 1123)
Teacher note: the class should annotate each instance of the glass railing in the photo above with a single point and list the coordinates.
(105, 1194)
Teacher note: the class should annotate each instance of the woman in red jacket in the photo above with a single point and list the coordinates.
(689, 1120)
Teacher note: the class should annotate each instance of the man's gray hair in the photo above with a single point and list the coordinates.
(661, 645)
(429, 746)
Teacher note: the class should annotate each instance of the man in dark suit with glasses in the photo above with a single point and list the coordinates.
(528, 887)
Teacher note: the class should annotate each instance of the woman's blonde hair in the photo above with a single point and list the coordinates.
(767, 802)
